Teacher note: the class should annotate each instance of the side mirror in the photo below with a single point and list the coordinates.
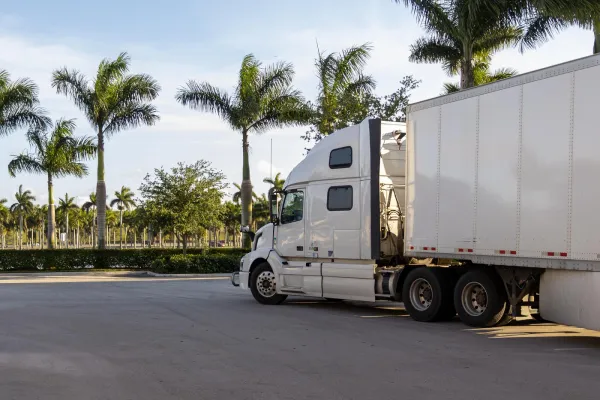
(245, 229)
(273, 206)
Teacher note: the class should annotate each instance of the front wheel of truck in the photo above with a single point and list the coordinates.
(263, 285)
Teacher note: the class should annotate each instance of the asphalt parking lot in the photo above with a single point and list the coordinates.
(103, 337)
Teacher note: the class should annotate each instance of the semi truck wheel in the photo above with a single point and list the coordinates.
(479, 299)
(427, 295)
(263, 285)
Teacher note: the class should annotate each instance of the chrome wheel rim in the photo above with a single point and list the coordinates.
(266, 285)
(474, 299)
(421, 294)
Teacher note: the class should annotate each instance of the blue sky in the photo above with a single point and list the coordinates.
(205, 40)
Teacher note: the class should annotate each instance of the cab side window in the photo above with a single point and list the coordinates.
(293, 208)
(340, 158)
(339, 198)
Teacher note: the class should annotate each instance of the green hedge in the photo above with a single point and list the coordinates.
(159, 260)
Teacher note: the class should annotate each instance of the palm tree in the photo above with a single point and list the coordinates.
(552, 16)
(113, 102)
(21, 208)
(19, 105)
(276, 182)
(4, 221)
(65, 206)
(342, 86)
(482, 73)
(124, 201)
(459, 31)
(87, 206)
(56, 155)
(263, 99)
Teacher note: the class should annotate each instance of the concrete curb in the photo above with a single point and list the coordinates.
(154, 274)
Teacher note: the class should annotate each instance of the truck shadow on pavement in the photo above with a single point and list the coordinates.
(559, 337)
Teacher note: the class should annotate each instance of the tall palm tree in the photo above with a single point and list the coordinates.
(263, 99)
(458, 31)
(114, 101)
(276, 182)
(88, 206)
(4, 221)
(342, 87)
(483, 74)
(21, 208)
(65, 206)
(56, 155)
(124, 201)
(19, 105)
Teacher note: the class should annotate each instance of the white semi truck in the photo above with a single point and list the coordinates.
(484, 203)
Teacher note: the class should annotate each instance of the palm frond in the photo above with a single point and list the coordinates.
(451, 88)
(539, 30)
(497, 39)
(349, 64)
(275, 77)
(132, 115)
(502, 73)
(22, 116)
(436, 50)
(137, 88)
(205, 97)
(74, 85)
(24, 163)
(110, 71)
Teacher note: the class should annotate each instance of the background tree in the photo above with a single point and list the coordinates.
(113, 102)
(21, 208)
(19, 105)
(458, 31)
(65, 207)
(90, 207)
(124, 201)
(231, 220)
(483, 74)
(263, 99)
(346, 95)
(5, 218)
(56, 155)
(262, 211)
(277, 182)
(35, 220)
(342, 89)
(187, 196)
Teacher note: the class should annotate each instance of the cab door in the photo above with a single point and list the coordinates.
(298, 275)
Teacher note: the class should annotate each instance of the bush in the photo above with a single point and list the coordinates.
(196, 264)
(196, 261)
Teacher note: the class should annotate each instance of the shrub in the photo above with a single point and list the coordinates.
(196, 261)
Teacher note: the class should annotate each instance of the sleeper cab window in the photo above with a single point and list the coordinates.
(293, 207)
(339, 198)
(340, 158)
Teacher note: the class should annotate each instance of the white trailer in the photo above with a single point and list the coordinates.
(482, 204)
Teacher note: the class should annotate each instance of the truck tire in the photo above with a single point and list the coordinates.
(427, 295)
(263, 285)
(479, 299)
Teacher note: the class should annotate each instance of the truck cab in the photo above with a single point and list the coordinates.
(338, 219)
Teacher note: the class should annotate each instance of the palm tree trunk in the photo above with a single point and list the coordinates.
(51, 214)
(101, 193)
(246, 189)
(467, 73)
(67, 227)
(121, 229)
(21, 231)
